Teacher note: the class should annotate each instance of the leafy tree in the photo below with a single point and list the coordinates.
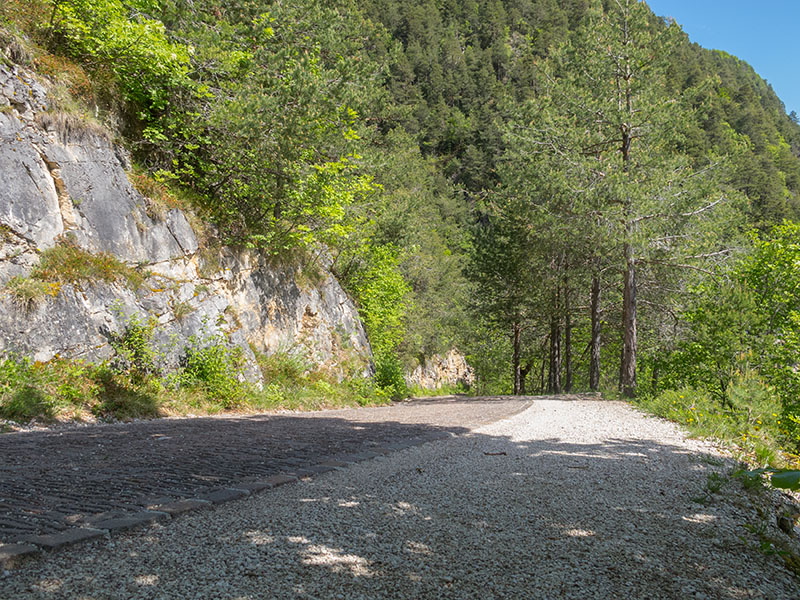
(121, 36)
(745, 325)
(383, 301)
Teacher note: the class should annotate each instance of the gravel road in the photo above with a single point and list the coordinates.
(567, 499)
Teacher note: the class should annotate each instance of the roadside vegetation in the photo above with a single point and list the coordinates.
(137, 382)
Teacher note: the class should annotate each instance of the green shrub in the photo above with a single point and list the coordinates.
(28, 403)
(31, 390)
(117, 36)
(208, 362)
(389, 375)
(127, 397)
(443, 390)
(750, 420)
(134, 352)
(284, 367)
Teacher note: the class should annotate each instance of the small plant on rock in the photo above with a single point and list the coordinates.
(67, 263)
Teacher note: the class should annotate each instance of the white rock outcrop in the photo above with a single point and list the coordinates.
(450, 369)
(60, 180)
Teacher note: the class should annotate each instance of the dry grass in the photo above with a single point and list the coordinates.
(28, 292)
(72, 127)
(67, 263)
(159, 200)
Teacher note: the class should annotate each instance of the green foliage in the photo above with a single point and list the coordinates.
(747, 325)
(31, 390)
(383, 300)
(135, 355)
(389, 375)
(750, 422)
(274, 157)
(443, 390)
(382, 295)
(126, 396)
(20, 399)
(120, 37)
(213, 365)
(292, 382)
(284, 368)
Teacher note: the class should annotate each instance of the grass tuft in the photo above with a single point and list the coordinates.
(28, 292)
(66, 263)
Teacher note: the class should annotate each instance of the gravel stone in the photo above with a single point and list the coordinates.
(571, 498)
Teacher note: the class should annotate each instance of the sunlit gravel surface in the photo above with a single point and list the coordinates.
(568, 499)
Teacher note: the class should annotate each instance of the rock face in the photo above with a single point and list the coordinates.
(436, 371)
(64, 180)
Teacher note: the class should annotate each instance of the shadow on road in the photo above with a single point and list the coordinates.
(480, 516)
(51, 479)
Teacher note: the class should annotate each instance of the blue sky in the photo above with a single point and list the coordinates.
(764, 33)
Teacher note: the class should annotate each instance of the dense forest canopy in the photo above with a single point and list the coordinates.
(557, 188)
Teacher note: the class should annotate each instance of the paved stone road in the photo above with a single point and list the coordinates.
(98, 478)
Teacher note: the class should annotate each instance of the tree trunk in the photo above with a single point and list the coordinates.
(567, 340)
(654, 380)
(627, 369)
(523, 377)
(515, 341)
(541, 374)
(627, 373)
(554, 374)
(594, 358)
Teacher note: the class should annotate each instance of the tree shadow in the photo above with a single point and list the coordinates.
(49, 480)
(477, 516)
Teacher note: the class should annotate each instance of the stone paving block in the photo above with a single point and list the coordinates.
(54, 541)
(12, 555)
(276, 480)
(253, 486)
(91, 519)
(179, 507)
(118, 524)
(336, 463)
(223, 495)
(320, 468)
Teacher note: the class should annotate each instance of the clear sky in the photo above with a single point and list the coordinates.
(763, 33)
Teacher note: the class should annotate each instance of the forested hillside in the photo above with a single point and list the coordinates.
(561, 190)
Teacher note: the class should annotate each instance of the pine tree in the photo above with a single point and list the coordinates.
(605, 124)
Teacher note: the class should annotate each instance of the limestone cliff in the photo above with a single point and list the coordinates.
(64, 180)
(451, 369)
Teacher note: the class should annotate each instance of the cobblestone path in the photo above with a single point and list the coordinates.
(54, 481)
